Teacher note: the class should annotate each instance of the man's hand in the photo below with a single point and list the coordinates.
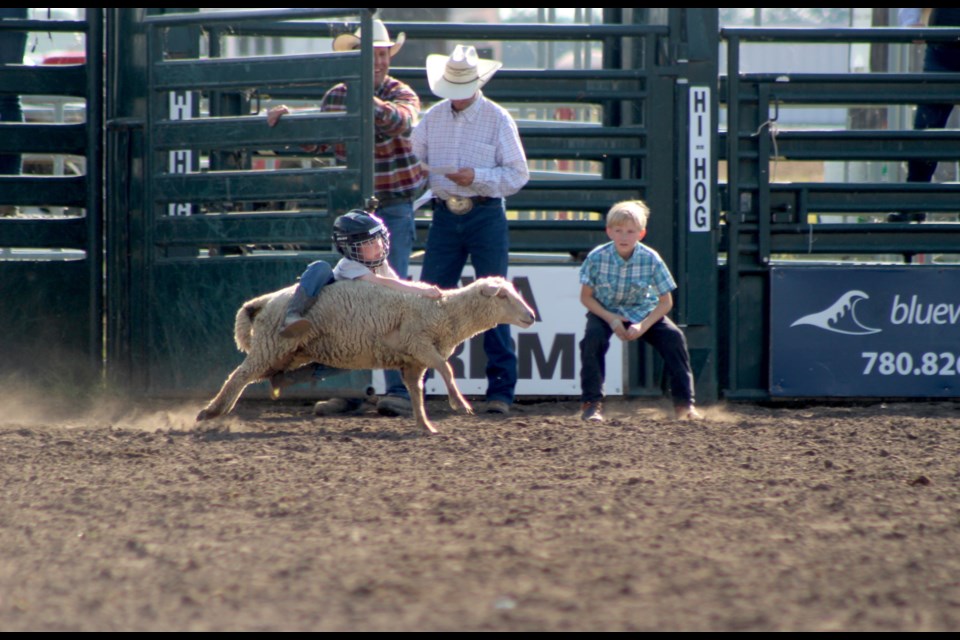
(462, 177)
(274, 115)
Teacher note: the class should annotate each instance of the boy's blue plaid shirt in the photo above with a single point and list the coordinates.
(631, 288)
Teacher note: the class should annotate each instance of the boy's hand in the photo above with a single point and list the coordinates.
(635, 331)
(616, 323)
(431, 291)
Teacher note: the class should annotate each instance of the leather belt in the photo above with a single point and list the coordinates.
(462, 205)
(387, 199)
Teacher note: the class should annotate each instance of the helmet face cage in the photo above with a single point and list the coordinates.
(358, 229)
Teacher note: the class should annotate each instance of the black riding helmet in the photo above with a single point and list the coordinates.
(354, 229)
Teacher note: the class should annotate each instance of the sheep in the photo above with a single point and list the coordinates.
(359, 325)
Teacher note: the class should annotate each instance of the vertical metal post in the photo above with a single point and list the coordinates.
(694, 34)
(613, 109)
(94, 182)
(368, 137)
(733, 211)
(763, 174)
(125, 90)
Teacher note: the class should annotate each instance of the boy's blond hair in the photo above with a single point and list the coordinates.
(635, 211)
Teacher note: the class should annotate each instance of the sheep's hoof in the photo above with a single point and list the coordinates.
(207, 414)
(430, 429)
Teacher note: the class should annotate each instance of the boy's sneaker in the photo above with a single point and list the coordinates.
(394, 406)
(335, 406)
(688, 413)
(591, 411)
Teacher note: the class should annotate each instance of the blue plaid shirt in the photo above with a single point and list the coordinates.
(631, 288)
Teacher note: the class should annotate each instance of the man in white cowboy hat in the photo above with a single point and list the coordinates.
(398, 180)
(472, 150)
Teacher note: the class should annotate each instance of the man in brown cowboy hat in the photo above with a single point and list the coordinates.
(398, 178)
(475, 159)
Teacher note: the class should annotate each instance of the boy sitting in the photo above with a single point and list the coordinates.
(626, 287)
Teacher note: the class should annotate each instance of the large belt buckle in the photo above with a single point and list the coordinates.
(459, 205)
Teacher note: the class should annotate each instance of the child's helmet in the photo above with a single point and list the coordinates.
(354, 229)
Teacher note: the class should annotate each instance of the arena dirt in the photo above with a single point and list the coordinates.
(811, 518)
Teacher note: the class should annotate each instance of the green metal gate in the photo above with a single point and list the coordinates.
(51, 254)
(197, 228)
(194, 245)
(767, 221)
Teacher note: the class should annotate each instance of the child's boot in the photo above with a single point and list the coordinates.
(294, 324)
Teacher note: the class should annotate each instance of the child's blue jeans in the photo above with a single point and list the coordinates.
(665, 336)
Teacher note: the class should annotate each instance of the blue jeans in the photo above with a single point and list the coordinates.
(399, 220)
(11, 52)
(935, 115)
(315, 277)
(483, 236)
(665, 336)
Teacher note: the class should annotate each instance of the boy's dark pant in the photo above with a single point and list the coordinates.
(665, 336)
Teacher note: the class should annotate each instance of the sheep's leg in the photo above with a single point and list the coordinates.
(225, 400)
(454, 397)
(413, 380)
(433, 360)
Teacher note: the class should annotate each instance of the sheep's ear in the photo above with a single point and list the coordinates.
(489, 290)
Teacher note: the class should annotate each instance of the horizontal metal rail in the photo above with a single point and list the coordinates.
(63, 191)
(252, 132)
(301, 70)
(238, 186)
(45, 26)
(60, 80)
(840, 35)
(241, 17)
(44, 138)
(869, 144)
(472, 31)
(68, 233)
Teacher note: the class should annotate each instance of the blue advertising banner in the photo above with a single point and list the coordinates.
(865, 332)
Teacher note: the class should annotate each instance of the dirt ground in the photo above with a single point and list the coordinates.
(809, 518)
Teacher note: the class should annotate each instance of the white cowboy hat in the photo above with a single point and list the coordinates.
(381, 38)
(459, 76)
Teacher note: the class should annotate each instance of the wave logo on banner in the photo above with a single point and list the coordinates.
(840, 317)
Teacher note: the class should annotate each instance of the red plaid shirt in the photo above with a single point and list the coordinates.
(395, 165)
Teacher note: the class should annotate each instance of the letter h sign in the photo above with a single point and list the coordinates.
(181, 161)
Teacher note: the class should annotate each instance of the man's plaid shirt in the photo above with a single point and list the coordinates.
(395, 165)
(631, 288)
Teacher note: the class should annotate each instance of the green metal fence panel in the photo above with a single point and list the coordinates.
(51, 260)
(767, 221)
(202, 229)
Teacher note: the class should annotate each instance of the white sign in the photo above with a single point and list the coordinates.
(548, 353)
(700, 178)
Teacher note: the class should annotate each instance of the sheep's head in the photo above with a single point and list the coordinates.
(513, 308)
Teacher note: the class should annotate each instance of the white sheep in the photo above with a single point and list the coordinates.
(358, 325)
